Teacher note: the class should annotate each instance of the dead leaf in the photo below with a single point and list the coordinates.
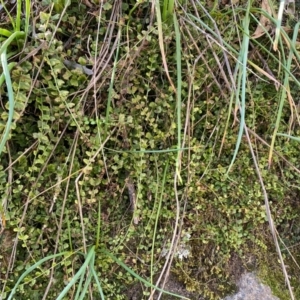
(264, 23)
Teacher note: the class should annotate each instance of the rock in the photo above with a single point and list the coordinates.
(250, 288)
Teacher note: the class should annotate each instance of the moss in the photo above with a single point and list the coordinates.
(271, 274)
(273, 277)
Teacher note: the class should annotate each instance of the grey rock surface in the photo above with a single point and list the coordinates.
(249, 288)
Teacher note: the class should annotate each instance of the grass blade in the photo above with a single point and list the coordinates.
(168, 8)
(18, 17)
(33, 267)
(81, 271)
(161, 42)
(138, 277)
(98, 283)
(10, 100)
(27, 16)
(5, 32)
(284, 91)
(179, 83)
(242, 83)
(278, 24)
(15, 35)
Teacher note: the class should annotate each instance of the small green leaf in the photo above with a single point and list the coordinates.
(107, 6)
(44, 17)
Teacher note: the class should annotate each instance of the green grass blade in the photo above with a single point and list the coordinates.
(10, 100)
(33, 267)
(5, 32)
(79, 286)
(97, 283)
(27, 16)
(161, 42)
(242, 83)
(138, 277)
(179, 91)
(289, 136)
(233, 51)
(15, 35)
(86, 284)
(79, 273)
(2, 77)
(284, 91)
(18, 16)
(168, 8)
